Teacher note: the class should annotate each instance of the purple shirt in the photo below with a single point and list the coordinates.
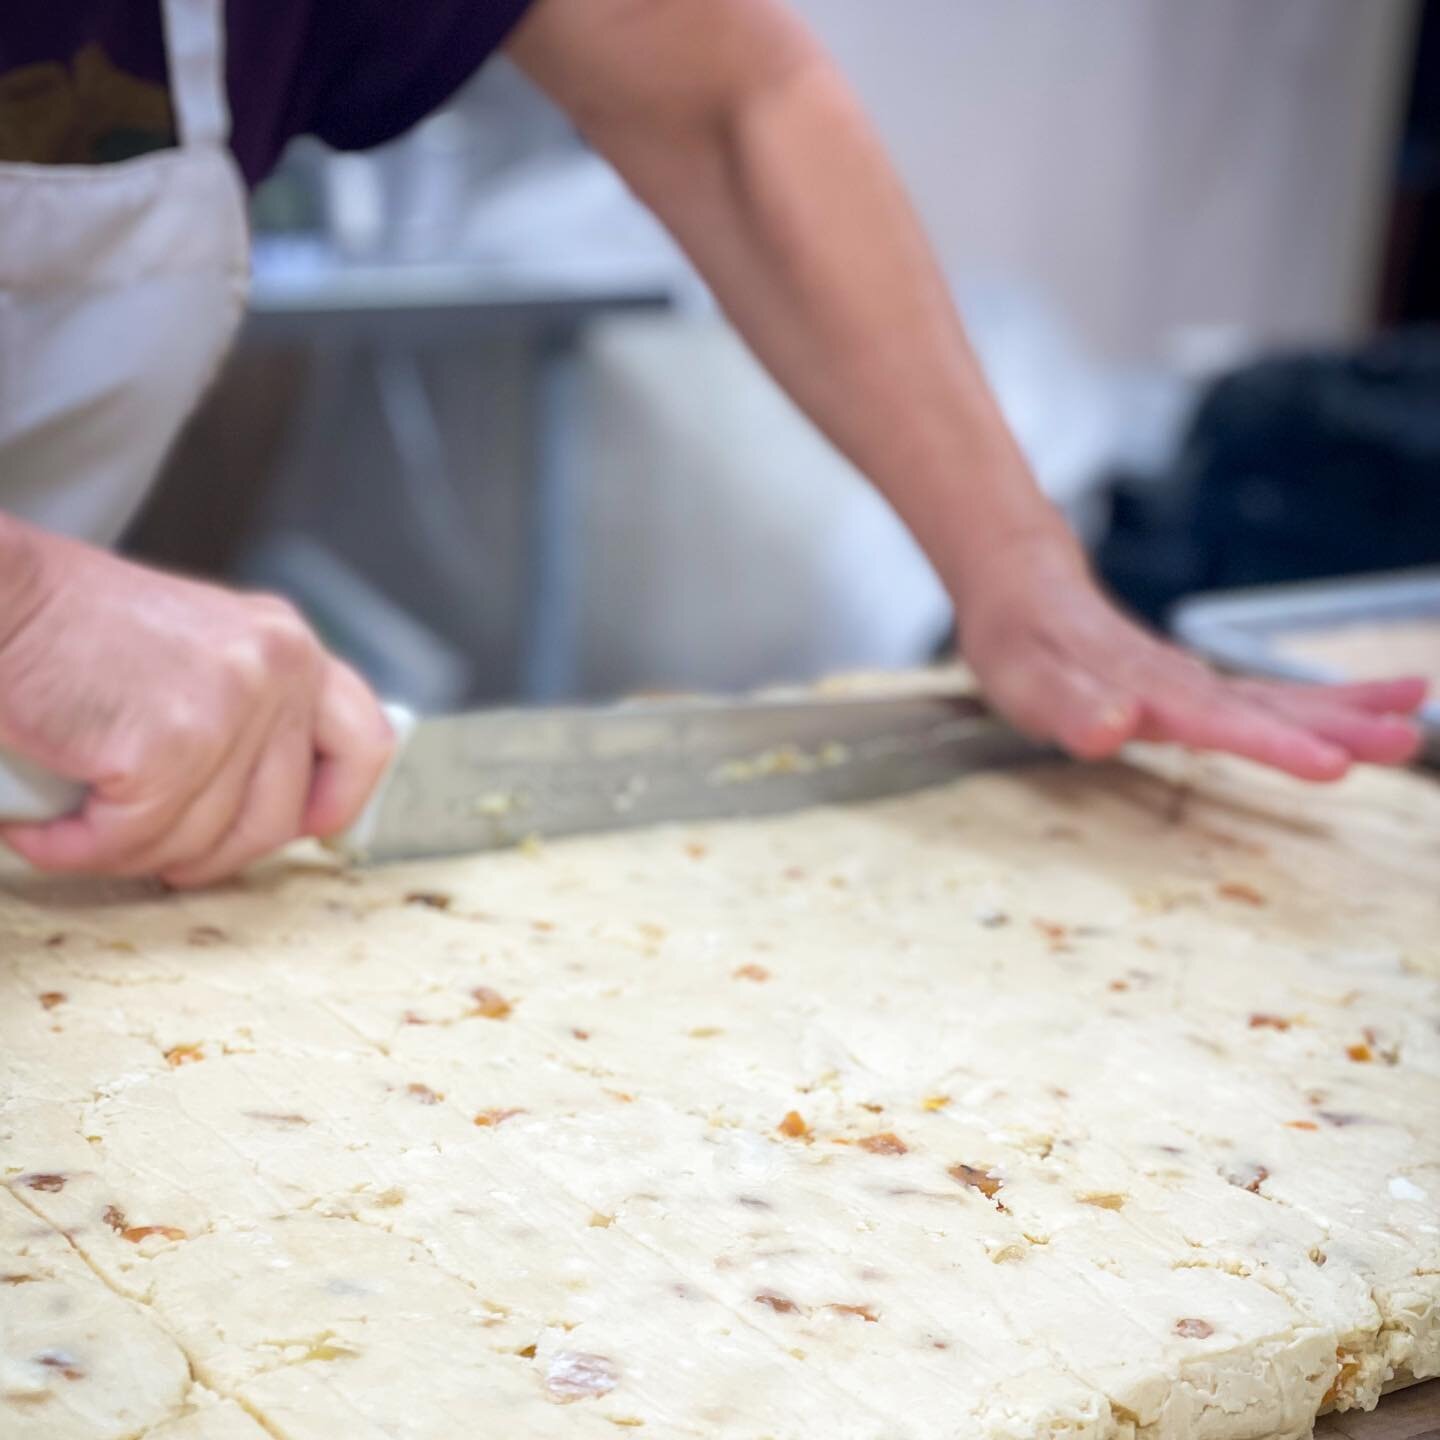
(84, 81)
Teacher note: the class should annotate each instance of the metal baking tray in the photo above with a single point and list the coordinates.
(1244, 629)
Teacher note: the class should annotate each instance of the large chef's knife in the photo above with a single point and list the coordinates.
(493, 778)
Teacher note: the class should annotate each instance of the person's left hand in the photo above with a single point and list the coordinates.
(1060, 661)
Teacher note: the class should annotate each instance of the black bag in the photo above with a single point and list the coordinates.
(1295, 467)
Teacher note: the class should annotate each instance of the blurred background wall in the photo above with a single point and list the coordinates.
(1152, 167)
(1128, 197)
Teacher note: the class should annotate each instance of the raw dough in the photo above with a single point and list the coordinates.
(1084, 1103)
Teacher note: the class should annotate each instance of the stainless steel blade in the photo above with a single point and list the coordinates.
(490, 779)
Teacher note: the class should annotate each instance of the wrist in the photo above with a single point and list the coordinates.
(1019, 537)
(971, 500)
(22, 571)
(1043, 557)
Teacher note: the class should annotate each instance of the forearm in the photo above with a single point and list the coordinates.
(790, 209)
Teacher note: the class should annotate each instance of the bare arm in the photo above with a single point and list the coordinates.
(731, 123)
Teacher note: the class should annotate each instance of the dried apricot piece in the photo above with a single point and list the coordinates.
(934, 1102)
(1057, 936)
(1362, 1054)
(1269, 1022)
(495, 1117)
(863, 1312)
(758, 973)
(136, 1233)
(794, 1126)
(188, 1054)
(1103, 1200)
(977, 1179)
(490, 1004)
(1349, 1367)
(885, 1143)
(1301, 1125)
(1240, 891)
(51, 998)
(781, 1304)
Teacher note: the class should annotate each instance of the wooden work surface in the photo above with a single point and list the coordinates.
(1412, 1414)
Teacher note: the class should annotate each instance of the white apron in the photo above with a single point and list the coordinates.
(121, 287)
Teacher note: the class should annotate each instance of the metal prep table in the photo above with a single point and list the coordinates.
(383, 317)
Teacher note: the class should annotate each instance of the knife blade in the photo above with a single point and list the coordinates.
(495, 778)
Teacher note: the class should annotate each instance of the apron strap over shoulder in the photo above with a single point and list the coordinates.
(195, 49)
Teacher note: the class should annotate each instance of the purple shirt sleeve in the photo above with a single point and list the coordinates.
(355, 73)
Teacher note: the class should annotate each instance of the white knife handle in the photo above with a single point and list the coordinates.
(354, 843)
(29, 792)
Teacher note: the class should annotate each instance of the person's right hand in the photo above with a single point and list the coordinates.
(210, 726)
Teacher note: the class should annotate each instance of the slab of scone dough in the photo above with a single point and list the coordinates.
(1066, 1103)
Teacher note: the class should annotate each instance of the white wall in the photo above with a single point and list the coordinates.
(1151, 163)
